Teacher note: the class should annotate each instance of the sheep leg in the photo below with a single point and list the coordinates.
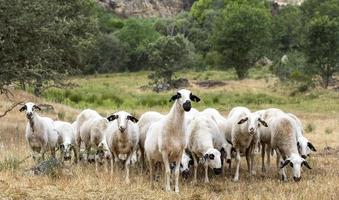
(62, 156)
(77, 149)
(142, 160)
(252, 160)
(167, 171)
(195, 166)
(206, 173)
(176, 172)
(76, 155)
(268, 156)
(248, 160)
(127, 163)
(237, 159)
(263, 148)
(151, 167)
(112, 160)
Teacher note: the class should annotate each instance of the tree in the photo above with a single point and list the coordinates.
(43, 41)
(241, 35)
(166, 56)
(322, 47)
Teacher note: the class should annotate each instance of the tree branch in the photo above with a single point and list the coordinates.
(10, 109)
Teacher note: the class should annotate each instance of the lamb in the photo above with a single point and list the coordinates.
(66, 133)
(244, 135)
(166, 140)
(283, 141)
(304, 145)
(206, 142)
(122, 137)
(40, 133)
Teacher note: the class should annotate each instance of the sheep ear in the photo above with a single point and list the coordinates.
(191, 162)
(229, 142)
(133, 119)
(243, 120)
(37, 107)
(233, 150)
(112, 117)
(285, 163)
(222, 150)
(205, 156)
(23, 108)
(175, 97)
(310, 145)
(263, 122)
(194, 98)
(306, 164)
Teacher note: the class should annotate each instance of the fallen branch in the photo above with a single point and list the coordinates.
(10, 109)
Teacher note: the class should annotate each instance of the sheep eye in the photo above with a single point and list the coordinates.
(291, 164)
(181, 165)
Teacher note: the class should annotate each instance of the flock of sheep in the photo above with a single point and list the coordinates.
(175, 142)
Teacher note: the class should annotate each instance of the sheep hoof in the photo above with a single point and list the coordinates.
(236, 179)
(253, 172)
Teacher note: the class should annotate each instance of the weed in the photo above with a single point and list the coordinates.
(310, 127)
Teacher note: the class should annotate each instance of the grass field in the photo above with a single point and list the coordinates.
(318, 109)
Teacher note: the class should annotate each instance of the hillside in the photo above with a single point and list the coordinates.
(147, 8)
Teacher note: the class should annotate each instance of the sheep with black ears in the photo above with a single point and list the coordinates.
(66, 134)
(304, 145)
(122, 137)
(244, 135)
(283, 141)
(166, 139)
(206, 142)
(40, 133)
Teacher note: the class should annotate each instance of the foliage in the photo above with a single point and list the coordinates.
(322, 47)
(166, 56)
(43, 41)
(241, 35)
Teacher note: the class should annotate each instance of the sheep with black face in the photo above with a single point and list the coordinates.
(166, 139)
(40, 133)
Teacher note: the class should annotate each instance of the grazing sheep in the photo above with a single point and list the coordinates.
(244, 135)
(91, 128)
(40, 133)
(304, 145)
(66, 140)
(225, 128)
(265, 135)
(206, 142)
(122, 137)
(283, 141)
(166, 140)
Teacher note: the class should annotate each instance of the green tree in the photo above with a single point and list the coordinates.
(322, 47)
(166, 56)
(43, 41)
(241, 35)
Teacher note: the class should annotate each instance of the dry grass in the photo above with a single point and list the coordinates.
(80, 182)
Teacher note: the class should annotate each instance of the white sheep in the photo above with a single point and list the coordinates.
(244, 135)
(166, 140)
(283, 141)
(225, 128)
(205, 142)
(66, 133)
(122, 137)
(40, 133)
(304, 145)
(91, 128)
(144, 123)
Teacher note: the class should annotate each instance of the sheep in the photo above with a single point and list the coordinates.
(244, 135)
(122, 137)
(225, 128)
(84, 116)
(206, 142)
(283, 141)
(265, 135)
(166, 140)
(66, 133)
(304, 145)
(144, 123)
(91, 128)
(40, 133)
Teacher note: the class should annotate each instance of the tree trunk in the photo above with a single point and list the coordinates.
(326, 81)
(38, 87)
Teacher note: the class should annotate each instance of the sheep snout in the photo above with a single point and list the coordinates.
(297, 179)
(187, 105)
